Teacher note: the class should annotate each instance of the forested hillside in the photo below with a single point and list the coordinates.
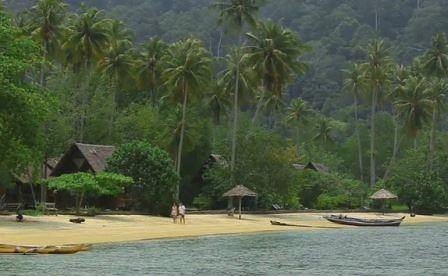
(359, 86)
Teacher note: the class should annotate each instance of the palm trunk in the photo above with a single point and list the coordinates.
(415, 141)
(182, 133)
(257, 111)
(43, 187)
(114, 88)
(84, 101)
(395, 149)
(218, 53)
(432, 140)
(235, 119)
(376, 16)
(372, 139)
(358, 138)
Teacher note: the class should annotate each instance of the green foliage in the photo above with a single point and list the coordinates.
(420, 188)
(153, 171)
(23, 105)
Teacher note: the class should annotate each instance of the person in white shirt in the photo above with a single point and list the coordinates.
(182, 210)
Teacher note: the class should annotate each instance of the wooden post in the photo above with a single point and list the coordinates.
(239, 206)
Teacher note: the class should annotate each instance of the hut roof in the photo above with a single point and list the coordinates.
(383, 194)
(94, 158)
(298, 166)
(317, 167)
(239, 190)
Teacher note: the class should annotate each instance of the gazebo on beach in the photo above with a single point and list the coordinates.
(383, 195)
(239, 191)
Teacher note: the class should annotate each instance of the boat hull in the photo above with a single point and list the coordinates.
(52, 249)
(364, 222)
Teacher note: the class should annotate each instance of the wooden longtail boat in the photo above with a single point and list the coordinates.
(363, 222)
(50, 249)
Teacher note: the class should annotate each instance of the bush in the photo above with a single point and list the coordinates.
(153, 172)
(202, 202)
(326, 201)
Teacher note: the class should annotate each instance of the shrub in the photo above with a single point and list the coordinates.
(153, 171)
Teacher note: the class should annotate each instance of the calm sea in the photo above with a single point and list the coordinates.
(406, 250)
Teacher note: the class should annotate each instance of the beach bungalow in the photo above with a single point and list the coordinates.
(83, 158)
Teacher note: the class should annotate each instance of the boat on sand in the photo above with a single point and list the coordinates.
(49, 249)
(340, 219)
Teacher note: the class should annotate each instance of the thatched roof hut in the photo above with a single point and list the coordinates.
(383, 194)
(239, 191)
(83, 158)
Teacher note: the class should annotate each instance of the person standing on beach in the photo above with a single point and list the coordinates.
(182, 211)
(174, 212)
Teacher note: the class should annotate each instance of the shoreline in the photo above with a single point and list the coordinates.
(108, 229)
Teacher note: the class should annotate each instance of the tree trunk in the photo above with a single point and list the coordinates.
(43, 83)
(218, 52)
(372, 138)
(432, 140)
(235, 120)
(395, 149)
(376, 16)
(182, 133)
(257, 111)
(239, 206)
(358, 138)
(415, 141)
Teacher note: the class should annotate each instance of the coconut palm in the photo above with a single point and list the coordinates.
(45, 22)
(217, 99)
(149, 66)
(236, 80)
(235, 14)
(324, 129)
(435, 60)
(438, 91)
(414, 105)
(86, 41)
(188, 70)
(298, 112)
(377, 72)
(356, 83)
(274, 54)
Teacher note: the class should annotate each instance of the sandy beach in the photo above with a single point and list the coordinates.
(57, 230)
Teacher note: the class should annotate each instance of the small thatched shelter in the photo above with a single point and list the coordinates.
(312, 166)
(239, 191)
(383, 194)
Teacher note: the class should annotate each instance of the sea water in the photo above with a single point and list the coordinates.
(406, 250)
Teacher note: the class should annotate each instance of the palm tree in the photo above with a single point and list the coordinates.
(88, 36)
(188, 70)
(117, 65)
(435, 63)
(324, 132)
(355, 82)
(298, 112)
(438, 91)
(218, 101)
(236, 80)
(235, 14)
(377, 72)
(414, 105)
(400, 76)
(274, 54)
(435, 60)
(149, 66)
(45, 22)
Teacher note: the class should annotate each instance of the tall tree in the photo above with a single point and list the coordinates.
(438, 91)
(414, 105)
(435, 64)
(355, 82)
(117, 63)
(235, 14)
(149, 67)
(298, 112)
(45, 23)
(217, 99)
(377, 71)
(188, 71)
(274, 53)
(87, 39)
